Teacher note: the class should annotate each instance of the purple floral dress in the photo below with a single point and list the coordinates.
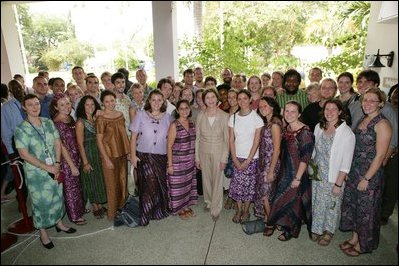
(266, 149)
(75, 207)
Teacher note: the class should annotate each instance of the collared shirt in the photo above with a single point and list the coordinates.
(45, 105)
(11, 117)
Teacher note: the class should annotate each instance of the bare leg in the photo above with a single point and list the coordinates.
(44, 236)
(266, 207)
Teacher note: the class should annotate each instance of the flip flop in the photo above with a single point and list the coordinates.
(352, 252)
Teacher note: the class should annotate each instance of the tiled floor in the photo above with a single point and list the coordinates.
(198, 240)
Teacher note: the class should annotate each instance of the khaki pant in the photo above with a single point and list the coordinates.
(212, 182)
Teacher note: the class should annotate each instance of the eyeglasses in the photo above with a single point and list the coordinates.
(370, 101)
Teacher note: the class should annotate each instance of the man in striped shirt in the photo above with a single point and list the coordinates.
(291, 81)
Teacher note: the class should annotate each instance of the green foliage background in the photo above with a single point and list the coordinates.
(259, 36)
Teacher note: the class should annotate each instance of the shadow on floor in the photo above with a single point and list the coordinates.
(198, 240)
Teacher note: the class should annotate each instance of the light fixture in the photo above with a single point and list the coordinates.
(377, 62)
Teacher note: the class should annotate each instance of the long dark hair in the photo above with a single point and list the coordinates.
(273, 104)
(177, 115)
(80, 110)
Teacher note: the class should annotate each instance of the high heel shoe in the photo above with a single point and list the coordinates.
(49, 245)
(69, 231)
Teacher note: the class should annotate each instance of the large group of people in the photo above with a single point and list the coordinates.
(254, 138)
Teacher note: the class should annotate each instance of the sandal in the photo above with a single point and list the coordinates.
(98, 214)
(285, 236)
(352, 252)
(190, 212)
(345, 245)
(325, 239)
(237, 217)
(183, 215)
(269, 230)
(314, 237)
(81, 221)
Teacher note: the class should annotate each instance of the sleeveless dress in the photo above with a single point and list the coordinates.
(182, 185)
(263, 189)
(361, 209)
(93, 182)
(73, 195)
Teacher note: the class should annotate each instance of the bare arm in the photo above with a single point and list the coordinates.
(68, 159)
(232, 146)
(198, 130)
(132, 113)
(276, 140)
(133, 142)
(384, 133)
(171, 141)
(337, 189)
(80, 139)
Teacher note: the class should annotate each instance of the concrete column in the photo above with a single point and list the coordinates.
(165, 39)
(11, 56)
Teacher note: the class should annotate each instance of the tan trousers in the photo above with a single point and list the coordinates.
(212, 182)
(116, 185)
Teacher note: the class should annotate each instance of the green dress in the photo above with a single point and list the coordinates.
(45, 192)
(93, 182)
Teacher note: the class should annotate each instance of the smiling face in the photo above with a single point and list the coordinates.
(363, 84)
(264, 108)
(156, 102)
(371, 103)
(254, 85)
(32, 107)
(331, 113)
(109, 102)
(183, 110)
(64, 106)
(211, 99)
(243, 101)
(58, 86)
(89, 107)
(344, 84)
(291, 113)
(232, 98)
(187, 94)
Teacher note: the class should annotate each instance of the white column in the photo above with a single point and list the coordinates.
(11, 56)
(165, 39)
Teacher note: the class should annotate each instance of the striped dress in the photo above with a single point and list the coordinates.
(182, 185)
(93, 182)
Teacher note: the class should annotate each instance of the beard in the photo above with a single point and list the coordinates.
(293, 92)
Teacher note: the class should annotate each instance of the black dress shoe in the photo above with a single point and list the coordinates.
(49, 245)
(69, 231)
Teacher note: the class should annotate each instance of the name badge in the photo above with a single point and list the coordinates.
(49, 161)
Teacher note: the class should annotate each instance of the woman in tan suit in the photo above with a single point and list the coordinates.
(212, 150)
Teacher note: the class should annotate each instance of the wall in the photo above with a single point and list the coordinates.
(383, 35)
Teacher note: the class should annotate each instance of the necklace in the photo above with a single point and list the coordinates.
(241, 114)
